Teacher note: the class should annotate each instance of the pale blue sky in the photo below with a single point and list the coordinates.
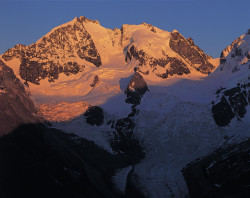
(212, 24)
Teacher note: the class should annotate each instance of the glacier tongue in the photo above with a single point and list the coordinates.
(174, 132)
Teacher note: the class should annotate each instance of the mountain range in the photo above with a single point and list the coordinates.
(129, 112)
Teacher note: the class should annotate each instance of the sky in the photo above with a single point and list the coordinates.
(212, 24)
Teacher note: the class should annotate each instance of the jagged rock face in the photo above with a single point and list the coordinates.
(191, 53)
(33, 71)
(124, 141)
(162, 67)
(175, 56)
(70, 48)
(236, 55)
(137, 87)
(228, 49)
(232, 103)
(94, 115)
(16, 107)
(224, 173)
(56, 52)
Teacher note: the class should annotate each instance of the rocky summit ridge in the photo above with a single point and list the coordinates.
(70, 47)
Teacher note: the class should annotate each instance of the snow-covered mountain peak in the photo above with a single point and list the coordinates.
(82, 42)
(149, 26)
(81, 59)
(175, 31)
(77, 21)
(166, 54)
(236, 55)
(82, 19)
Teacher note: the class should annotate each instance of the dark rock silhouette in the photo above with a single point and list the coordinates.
(137, 87)
(223, 173)
(232, 103)
(16, 107)
(37, 161)
(94, 115)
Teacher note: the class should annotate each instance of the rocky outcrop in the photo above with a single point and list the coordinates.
(125, 126)
(137, 87)
(56, 53)
(237, 55)
(231, 103)
(16, 107)
(175, 55)
(33, 71)
(94, 115)
(191, 53)
(223, 173)
(228, 49)
(95, 81)
(162, 67)
(149, 26)
(40, 162)
(123, 140)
